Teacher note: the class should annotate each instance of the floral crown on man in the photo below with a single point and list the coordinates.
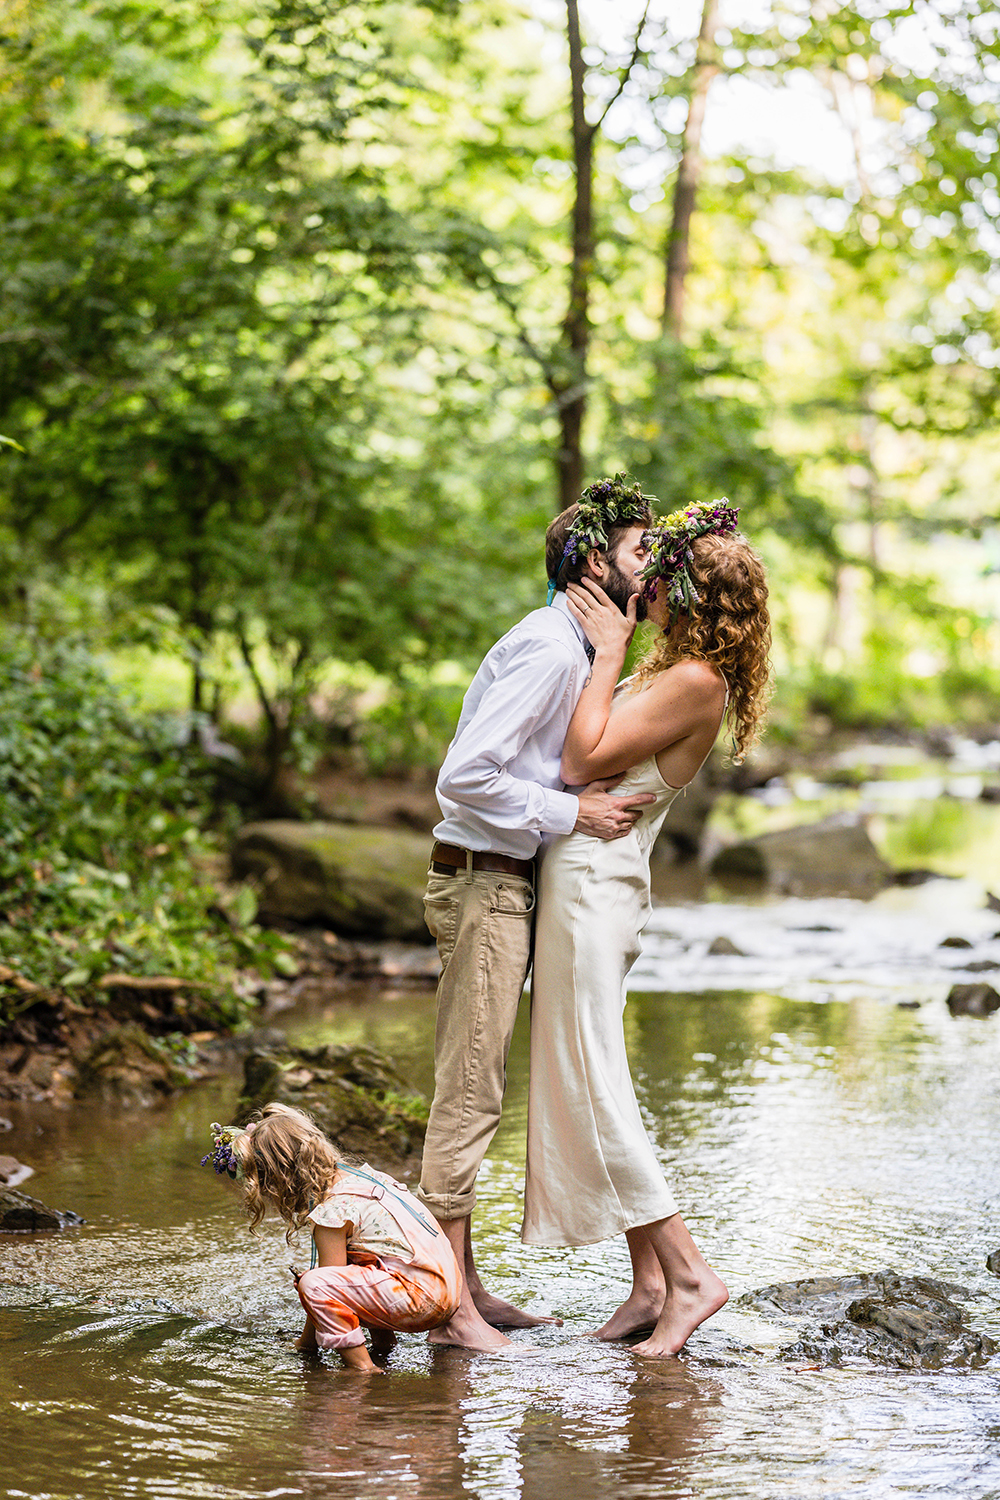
(669, 546)
(222, 1156)
(603, 505)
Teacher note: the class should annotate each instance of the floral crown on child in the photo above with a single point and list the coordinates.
(669, 546)
(603, 505)
(222, 1156)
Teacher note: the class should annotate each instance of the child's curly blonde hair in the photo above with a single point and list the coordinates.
(288, 1164)
(729, 626)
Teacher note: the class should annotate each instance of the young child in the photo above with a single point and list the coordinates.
(379, 1259)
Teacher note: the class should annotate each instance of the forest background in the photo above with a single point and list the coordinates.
(314, 314)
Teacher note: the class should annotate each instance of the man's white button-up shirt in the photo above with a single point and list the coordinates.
(500, 788)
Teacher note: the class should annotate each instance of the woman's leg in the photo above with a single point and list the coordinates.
(644, 1302)
(693, 1291)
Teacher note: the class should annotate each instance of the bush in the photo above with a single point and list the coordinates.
(102, 815)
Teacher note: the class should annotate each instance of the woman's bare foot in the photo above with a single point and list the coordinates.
(686, 1307)
(637, 1314)
(501, 1314)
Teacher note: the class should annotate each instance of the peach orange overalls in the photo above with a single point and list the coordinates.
(383, 1291)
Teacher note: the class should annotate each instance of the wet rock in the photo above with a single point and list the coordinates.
(918, 876)
(993, 1262)
(356, 1095)
(981, 966)
(6, 1124)
(125, 1066)
(723, 947)
(955, 942)
(906, 1322)
(973, 1000)
(14, 1172)
(990, 793)
(992, 902)
(358, 880)
(835, 856)
(907, 1004)
(20, 1214)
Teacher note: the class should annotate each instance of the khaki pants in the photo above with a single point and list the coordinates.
(481, 922)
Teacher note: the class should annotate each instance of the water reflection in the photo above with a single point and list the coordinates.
(149, 1351)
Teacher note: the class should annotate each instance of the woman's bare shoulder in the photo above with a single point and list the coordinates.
(690, 675)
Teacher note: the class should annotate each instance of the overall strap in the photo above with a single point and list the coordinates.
(428, 1224)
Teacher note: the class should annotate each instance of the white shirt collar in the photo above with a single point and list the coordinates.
(560, 602)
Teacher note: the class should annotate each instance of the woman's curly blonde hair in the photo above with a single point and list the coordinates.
(288, 1165)
(729, 626)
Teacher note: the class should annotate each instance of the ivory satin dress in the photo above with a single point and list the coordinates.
(591, 1170)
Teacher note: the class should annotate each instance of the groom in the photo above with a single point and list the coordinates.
(500, 792)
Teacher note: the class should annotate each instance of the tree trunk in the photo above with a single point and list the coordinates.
(678, 248)
(569, 386)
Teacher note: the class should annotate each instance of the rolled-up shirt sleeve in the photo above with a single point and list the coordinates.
(534, 681)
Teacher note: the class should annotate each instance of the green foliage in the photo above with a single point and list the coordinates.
(102, 815)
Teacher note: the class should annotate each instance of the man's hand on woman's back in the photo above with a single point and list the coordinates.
(603, 816)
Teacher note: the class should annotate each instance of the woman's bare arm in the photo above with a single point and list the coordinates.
(681, 701)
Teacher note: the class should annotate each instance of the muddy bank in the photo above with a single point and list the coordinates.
(52, 1052)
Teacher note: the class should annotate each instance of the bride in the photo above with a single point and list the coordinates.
(592, 1172)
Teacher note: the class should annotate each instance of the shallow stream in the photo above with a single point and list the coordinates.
(811, 1126)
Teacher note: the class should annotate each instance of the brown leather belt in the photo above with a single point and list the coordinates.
(449, 859)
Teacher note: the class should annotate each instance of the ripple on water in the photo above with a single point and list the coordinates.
(150, 1351)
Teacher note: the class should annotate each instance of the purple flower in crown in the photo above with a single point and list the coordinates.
(222, 1156)
(605, 504)
(669, 547)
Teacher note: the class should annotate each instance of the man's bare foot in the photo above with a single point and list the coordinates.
(501, 1314)
(466, 1329)
(637, 1314)
(685, 1309)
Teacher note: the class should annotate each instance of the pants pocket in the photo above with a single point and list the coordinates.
(441, 916)
(512, 897)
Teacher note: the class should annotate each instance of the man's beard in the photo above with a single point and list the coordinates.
(620, 588)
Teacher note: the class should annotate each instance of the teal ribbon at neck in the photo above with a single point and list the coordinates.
(552, 591)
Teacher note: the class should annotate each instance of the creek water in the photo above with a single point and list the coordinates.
(811, 1126)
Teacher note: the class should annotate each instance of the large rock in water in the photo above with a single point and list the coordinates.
(355, 1094)
(20, 1214)
(125, 1066)
(905, 1322)
(360, 881)
(835, 857)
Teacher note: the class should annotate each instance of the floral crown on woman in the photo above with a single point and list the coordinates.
(669, 546)
(603, 505)
(222, 1156)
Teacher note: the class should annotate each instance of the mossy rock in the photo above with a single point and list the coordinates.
(126, 1066)
(355, 1094)
(357, 880)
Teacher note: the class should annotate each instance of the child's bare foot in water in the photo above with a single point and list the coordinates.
(383, 1340)
(687, 1306)
(357, 1359)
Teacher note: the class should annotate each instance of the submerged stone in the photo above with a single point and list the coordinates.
(905, 1322)
(355, 1094)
